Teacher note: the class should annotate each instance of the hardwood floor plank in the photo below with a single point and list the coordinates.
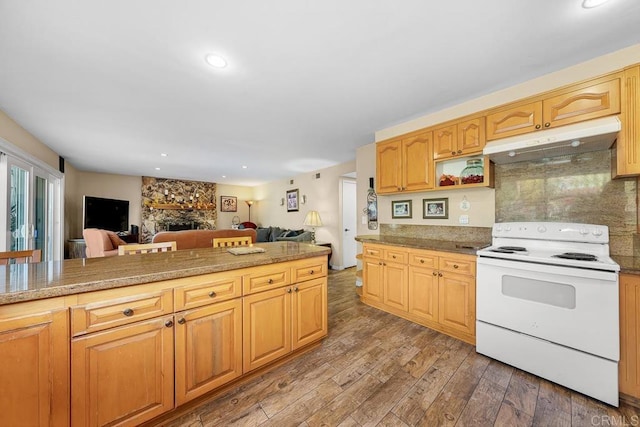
(553, 407)
(422, 361)
(522, 392)
(415, 403)
(359, 367)
(484, 404)
(508, 416)
(390, 420)
(499, 373)
(376, 407)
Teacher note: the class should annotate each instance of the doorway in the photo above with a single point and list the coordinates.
(349, 222)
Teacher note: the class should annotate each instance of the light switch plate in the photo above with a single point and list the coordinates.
(464, 219)
(364, 220)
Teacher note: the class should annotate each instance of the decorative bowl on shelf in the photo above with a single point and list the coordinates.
(448, 180)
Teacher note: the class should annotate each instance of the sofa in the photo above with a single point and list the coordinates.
(277, 234)
(101, 243)
(193, 239)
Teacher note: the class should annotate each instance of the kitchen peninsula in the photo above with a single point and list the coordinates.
(125, 339)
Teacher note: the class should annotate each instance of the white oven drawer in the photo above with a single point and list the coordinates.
(572, 307)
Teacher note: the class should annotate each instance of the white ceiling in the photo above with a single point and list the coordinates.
(109, 85)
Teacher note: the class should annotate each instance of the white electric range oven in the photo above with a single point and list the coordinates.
(547, 303)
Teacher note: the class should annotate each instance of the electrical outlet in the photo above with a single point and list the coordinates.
(464, 219)
(364, 220)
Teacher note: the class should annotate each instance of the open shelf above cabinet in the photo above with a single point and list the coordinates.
(450, 173)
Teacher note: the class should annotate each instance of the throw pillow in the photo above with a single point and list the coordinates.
(115, 240)
(289, 233)
(263, 234)
(275, 233)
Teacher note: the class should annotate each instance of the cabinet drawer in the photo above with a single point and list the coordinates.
(207, 289)
(107, 311)
(458, 265)
(396, 255)
(423, 259)
(308, 269)
(267, 277)
(372, 251)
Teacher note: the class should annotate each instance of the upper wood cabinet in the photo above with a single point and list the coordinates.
(459, 139)
(626, 156)
(405, 164)
(570, 105)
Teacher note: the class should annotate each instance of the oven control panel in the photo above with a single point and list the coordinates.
(560, 231)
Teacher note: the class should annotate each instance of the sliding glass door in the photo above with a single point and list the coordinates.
(32, 214)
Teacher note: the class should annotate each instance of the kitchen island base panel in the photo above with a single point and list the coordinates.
(588, 374)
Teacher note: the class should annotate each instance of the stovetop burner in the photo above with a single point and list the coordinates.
(577, 256)
(508, 249)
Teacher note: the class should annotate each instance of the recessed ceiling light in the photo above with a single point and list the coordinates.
(245, 167)
(588, 4)
(224, 176)
(163, 154)
(157, 169)
(215, 61)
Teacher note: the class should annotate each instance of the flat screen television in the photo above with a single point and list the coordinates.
(108, 214)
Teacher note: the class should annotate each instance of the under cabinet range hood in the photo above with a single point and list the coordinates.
(592, 135)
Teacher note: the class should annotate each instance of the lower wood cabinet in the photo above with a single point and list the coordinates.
(123, 375)
(629, 366)
(434, 289)
(34, 372)
(208, 349)
(281, 320)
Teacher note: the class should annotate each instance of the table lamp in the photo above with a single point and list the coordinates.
(313, 220)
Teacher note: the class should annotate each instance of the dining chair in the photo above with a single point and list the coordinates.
(20, 257)
(146, 248)
(228, 242)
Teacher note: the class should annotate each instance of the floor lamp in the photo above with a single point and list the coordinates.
(249, 203)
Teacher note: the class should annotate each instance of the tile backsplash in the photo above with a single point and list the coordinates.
(576, 188)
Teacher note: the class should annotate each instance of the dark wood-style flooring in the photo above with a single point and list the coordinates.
(375, 369)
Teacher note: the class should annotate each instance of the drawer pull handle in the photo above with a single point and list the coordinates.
(311, 272)
(128, 312)
(270, 281)
(212, 294)
(168, 323)
(182, 321)
(421, 261)
(455, 265)
(289, 290)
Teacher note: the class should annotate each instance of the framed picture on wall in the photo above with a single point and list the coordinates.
(292, 200)
(401, 209)
(228, 204)
(435, 208)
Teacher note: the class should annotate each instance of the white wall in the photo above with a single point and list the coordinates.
(243, 194)
(323, 195)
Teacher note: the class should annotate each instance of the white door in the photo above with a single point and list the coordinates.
(349, 223)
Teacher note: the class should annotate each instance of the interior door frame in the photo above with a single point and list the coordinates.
(341, 221)
(55, 191)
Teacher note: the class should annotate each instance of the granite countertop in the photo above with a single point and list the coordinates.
(25, 282)
(628, 264)
(467, 248)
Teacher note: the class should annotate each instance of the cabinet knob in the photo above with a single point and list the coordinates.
(538, 126)
(311, 271)
(289, 290)
(270, 281)
(547, 124)
(459, 151)
(168, 323)
(435, 273)
(421, 261)
(455, 265)
(439, 274)
(393, 256)
(295, 289)
(212, 294)
(379, 262)
(182, 321)
(453, 153)
(128, 312)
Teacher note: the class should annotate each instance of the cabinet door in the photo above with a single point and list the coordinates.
(388, 167)
(627, 150)
(629, 369)
(395, 292)
(266, 327)
(514, 121)
(457, 302)
(208, 348)
(423, 293)
(445, 142)
(35, 364)
(372, 279)
(309, 312)
(583, 104)
(417, 162)
(122, 375)
(471, 136)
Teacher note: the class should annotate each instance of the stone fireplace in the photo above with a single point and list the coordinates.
(172, 205)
